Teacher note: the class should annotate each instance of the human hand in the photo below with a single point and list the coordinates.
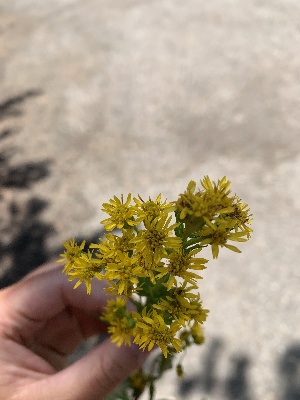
(42, 321)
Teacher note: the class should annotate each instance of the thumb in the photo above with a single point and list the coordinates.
(94, 376)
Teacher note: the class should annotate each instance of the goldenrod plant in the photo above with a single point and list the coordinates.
(150, 256)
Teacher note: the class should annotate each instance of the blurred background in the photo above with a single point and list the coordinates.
(114, 96)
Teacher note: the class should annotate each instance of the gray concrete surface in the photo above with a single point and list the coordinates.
(108, 97)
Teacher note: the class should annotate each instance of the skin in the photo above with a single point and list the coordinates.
(42, 320)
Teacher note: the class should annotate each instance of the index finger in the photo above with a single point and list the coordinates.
(43, 294)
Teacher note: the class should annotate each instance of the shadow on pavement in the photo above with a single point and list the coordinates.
(23, 233)
(289, 373)
(10, 106)
(234, 387)
(27, 247)
(236, 384)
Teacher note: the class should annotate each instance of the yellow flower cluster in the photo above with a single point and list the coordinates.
(153, 262)
(213, 215)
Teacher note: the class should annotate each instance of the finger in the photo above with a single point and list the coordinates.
(42, 295)
(67, 330)
(95, 375)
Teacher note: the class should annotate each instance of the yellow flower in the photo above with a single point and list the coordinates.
(176, 310)
(185, 201)
(178, 265)
(210, 202)
(123, 274)
(120, 320)
(85, 268)
(105, 250)
(152, 209)
(222, 186)
(182, 305)
(183, 292)
(153, 241)
(121, 332)
(241, 216)
(71, 253)
(152, 330)
(112, 244)
(149, 267)
(199, 313)
(217, 235)
(121, 214)
(123, 242)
